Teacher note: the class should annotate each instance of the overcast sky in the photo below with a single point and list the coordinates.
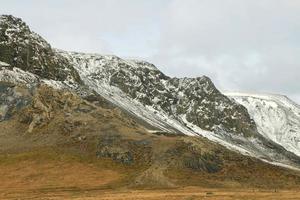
(242, 45)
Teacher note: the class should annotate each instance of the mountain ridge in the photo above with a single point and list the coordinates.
(191, 106)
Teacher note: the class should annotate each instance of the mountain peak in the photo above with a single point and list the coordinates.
(26, 50)
(14, 30)
(10, 19)
(145, 64)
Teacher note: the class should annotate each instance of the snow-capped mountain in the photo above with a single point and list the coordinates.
(276, 116)
(138, 84)
(166, 103)
(191, 106)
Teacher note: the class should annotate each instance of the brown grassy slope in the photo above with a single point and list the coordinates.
(63, 143)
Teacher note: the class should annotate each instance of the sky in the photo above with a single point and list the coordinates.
(242, 45)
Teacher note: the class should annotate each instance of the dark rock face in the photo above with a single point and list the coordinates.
(195, 98)
(207, 108)
(117, 154)
(207, 162)
(122, 150)
(110, 146)
(195, 158)
(28, 51)
(12, 99)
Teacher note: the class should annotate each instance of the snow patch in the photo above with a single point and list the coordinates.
(277, 117)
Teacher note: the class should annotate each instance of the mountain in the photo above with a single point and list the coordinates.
(191, 106)
(196, 101)
(276, 116)
(163, 130)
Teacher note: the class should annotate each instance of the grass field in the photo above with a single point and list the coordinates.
(46, 176)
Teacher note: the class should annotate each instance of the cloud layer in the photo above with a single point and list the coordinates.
(245, 45)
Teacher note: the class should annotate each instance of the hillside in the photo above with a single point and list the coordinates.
(48, 128)
(74, 122)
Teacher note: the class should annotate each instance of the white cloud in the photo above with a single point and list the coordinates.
(246, 45)
(241, 45)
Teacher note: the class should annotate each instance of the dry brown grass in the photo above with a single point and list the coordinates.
(58, 175)
(32, 175)
(26, 177)
(170, 194)
(193, 194)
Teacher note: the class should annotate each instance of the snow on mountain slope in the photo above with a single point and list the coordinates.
(142, 83)
(17, 76)
(97, 70)
(3, 64)
(276, 116)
